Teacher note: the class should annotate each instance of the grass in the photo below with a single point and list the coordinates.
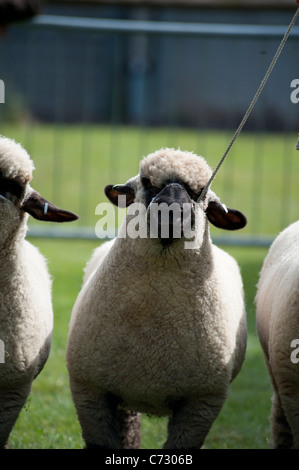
(49, 420)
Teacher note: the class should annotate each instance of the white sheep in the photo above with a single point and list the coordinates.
(26, 318)
(277, 310)
(158, 328)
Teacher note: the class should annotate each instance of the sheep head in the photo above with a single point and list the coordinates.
(173, 178)
(16, 195)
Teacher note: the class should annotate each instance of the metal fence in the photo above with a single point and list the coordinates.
(89, 97)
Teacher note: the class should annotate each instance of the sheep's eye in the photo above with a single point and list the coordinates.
(191, 193)
(201, 190)
(150, 191)
(146, 182)
(9, 187)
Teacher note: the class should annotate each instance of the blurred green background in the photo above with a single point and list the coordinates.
(74, 163)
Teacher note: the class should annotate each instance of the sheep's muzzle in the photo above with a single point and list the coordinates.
(170, 215)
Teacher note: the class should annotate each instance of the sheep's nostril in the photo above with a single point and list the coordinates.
(170, 213)
(169, 222)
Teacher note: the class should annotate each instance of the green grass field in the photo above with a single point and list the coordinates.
(73, 164)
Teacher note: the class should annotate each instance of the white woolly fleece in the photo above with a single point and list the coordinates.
(277, 308)
(15, 161)
(161, 331)
(26, 316)
(187, 166)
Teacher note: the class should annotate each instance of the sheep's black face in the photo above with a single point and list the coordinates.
(11, 196)
(11, 189)
(170, 211)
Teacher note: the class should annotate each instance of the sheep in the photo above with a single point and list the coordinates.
(26, 317)
(158, 328)
(277, 322)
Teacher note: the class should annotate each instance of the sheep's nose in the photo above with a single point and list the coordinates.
(170, 212)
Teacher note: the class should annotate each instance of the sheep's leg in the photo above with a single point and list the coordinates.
(96, 413)
(11, 403)
(128, 425)
(281, 432)
(285, 420)
(282, 437)
(191, 422)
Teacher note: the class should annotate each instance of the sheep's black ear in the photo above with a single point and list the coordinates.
(41, 209)
(223, 217)
(112, 193)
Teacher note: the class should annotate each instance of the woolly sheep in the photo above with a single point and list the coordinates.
(277, 309)
(158, 328)
(26, 317)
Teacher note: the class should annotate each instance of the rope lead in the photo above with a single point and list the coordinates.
(252, 104)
